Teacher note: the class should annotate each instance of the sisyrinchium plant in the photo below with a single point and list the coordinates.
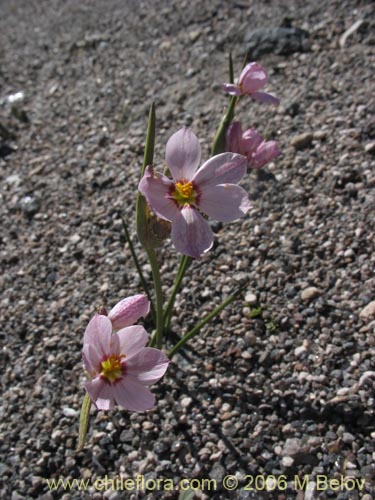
(120, 359)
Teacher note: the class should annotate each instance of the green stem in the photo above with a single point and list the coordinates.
(208, 318)
(184, 264)
(159, 296)
(139, 269)
(231, 73)
(219, 141)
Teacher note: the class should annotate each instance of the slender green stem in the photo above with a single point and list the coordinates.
(159, 296)
(141, 214)
(184, 264)
(84, 421)
(231, 73)
(148, 156)
(139, 269)
(205, 320)
(219, 141)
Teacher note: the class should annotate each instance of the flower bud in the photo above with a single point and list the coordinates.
(250, 144)
(128, 311)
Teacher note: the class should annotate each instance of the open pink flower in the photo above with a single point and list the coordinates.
(210, 189)
(250, 144)
(120, 365)
(252, 79)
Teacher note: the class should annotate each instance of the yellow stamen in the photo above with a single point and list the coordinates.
(184, 193)
(112, 367)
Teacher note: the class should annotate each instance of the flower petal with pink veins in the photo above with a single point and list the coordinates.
(98, 334)
(130, 340)
(253, 78)
(183, 154)
(233, 137)
(224, 203)
(191, 234)
(250, 141)
(91, 360)
(148, 366)
(101, 393)
(221, 169)
(157, 188)
(266, 152)
(231, 89)
(129, 310)
(265, 97)
(132, 395)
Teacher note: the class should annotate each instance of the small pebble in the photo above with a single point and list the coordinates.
(310, 293)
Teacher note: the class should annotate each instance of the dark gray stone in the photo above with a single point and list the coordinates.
(282, 41)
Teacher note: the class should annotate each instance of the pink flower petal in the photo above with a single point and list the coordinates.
(191, 234)
(156, 188)
(128, 311)
(132, 395)
(265, 97)
(101, 393)
(253, 77)
(147, 366)
(98, 334)
(220, 169)
(183, 154)
(91, 359)
(129, 341)
(266, 152)
(231, 89)
(225, 203)
(250, 141)
(233, 137)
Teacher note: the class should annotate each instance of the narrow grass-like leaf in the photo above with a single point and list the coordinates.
(218, 145)
(205, 320)
(148, 156)
(231, 73)
(141, 206)
(152, 258)
(184, 264)
(139, 269)
(219, 141)
(83, 421)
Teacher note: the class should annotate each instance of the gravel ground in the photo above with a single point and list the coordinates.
(283, 382)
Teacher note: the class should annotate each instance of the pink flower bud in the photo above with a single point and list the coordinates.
(266, 152)
(128, 311)
(251, 145)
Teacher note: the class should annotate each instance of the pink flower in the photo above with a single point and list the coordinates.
(128, 311)
(250, 144)
(210, 189)
(252, 78)
(120, 366)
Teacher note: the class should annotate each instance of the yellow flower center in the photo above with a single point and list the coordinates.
(184, 193)
(112, 367)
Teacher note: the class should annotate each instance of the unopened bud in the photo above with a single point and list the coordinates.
(128, 311)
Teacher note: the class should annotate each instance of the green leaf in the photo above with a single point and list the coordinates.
(83, 421)
(257, 311)
(205, 320)
(219, 141)
(142, 209)
(184, 264)
(231, 74)
(139, 269)
(148, 157)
